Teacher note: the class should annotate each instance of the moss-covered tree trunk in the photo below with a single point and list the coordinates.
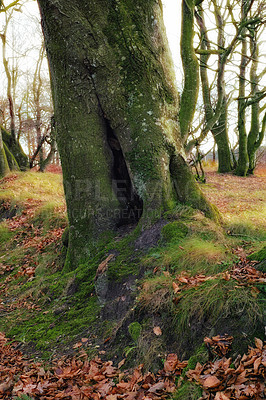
(220, 134)
(4, 168)
(219, 129)
(16, 157)
(256, 135)
(11, 102)
(242, 165)
(116, 110)
(191, 69)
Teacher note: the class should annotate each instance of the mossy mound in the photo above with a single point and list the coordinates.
(261, 257)
(174, 232)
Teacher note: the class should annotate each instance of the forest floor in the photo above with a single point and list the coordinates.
(44, 314)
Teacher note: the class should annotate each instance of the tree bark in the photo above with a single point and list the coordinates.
(219, 126)
(191, 69)
(116, 109)
(37, 87)
(4, 168)
(255, 136)
(9, 86)
(242, 165)
(16, 156)
(220, 134)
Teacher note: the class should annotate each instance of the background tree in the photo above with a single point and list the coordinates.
(242, 165)
(41, 116)
(4, 167)
(225, 45)
(28, 92)
(190, 63)
(216, 116)
(10, 138)
(257, 131)
(249, 143)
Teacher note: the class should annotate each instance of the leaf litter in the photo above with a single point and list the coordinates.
(79, 378)
(224, 379)
(244, 272)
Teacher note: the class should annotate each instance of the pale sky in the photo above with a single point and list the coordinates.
(172, 18)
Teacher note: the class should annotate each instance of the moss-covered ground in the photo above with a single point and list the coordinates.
(140, 288)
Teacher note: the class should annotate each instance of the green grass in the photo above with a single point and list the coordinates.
(217, 299)
(43, 187)
(174, 232)
(200, 356)
(40, 198)
(188, 391)
(49, 216)
(259, 255)
(24, 397)
(68, 302)
(251, 227)
(242, 204)
(5, 234)
(193, 254)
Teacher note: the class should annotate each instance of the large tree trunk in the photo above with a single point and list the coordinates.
(116, 110)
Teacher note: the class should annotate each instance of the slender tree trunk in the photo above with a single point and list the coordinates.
(37, 87)
(220, 134)
(116, 108)
(255, 136)
(191, 69)
(220, 131)
(219, 127)
(242, 165)
(9, 90)
(213, 153)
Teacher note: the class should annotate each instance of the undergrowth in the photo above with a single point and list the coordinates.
(51, 310)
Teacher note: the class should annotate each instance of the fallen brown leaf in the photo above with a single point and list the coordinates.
(157, 330)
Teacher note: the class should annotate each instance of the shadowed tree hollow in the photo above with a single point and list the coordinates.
(116, 111)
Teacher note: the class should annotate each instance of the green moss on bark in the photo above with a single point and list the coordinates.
(187, 189)
(191, 69)
(114, 92)
(12, 163)
(16, 152)
(4, 168)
